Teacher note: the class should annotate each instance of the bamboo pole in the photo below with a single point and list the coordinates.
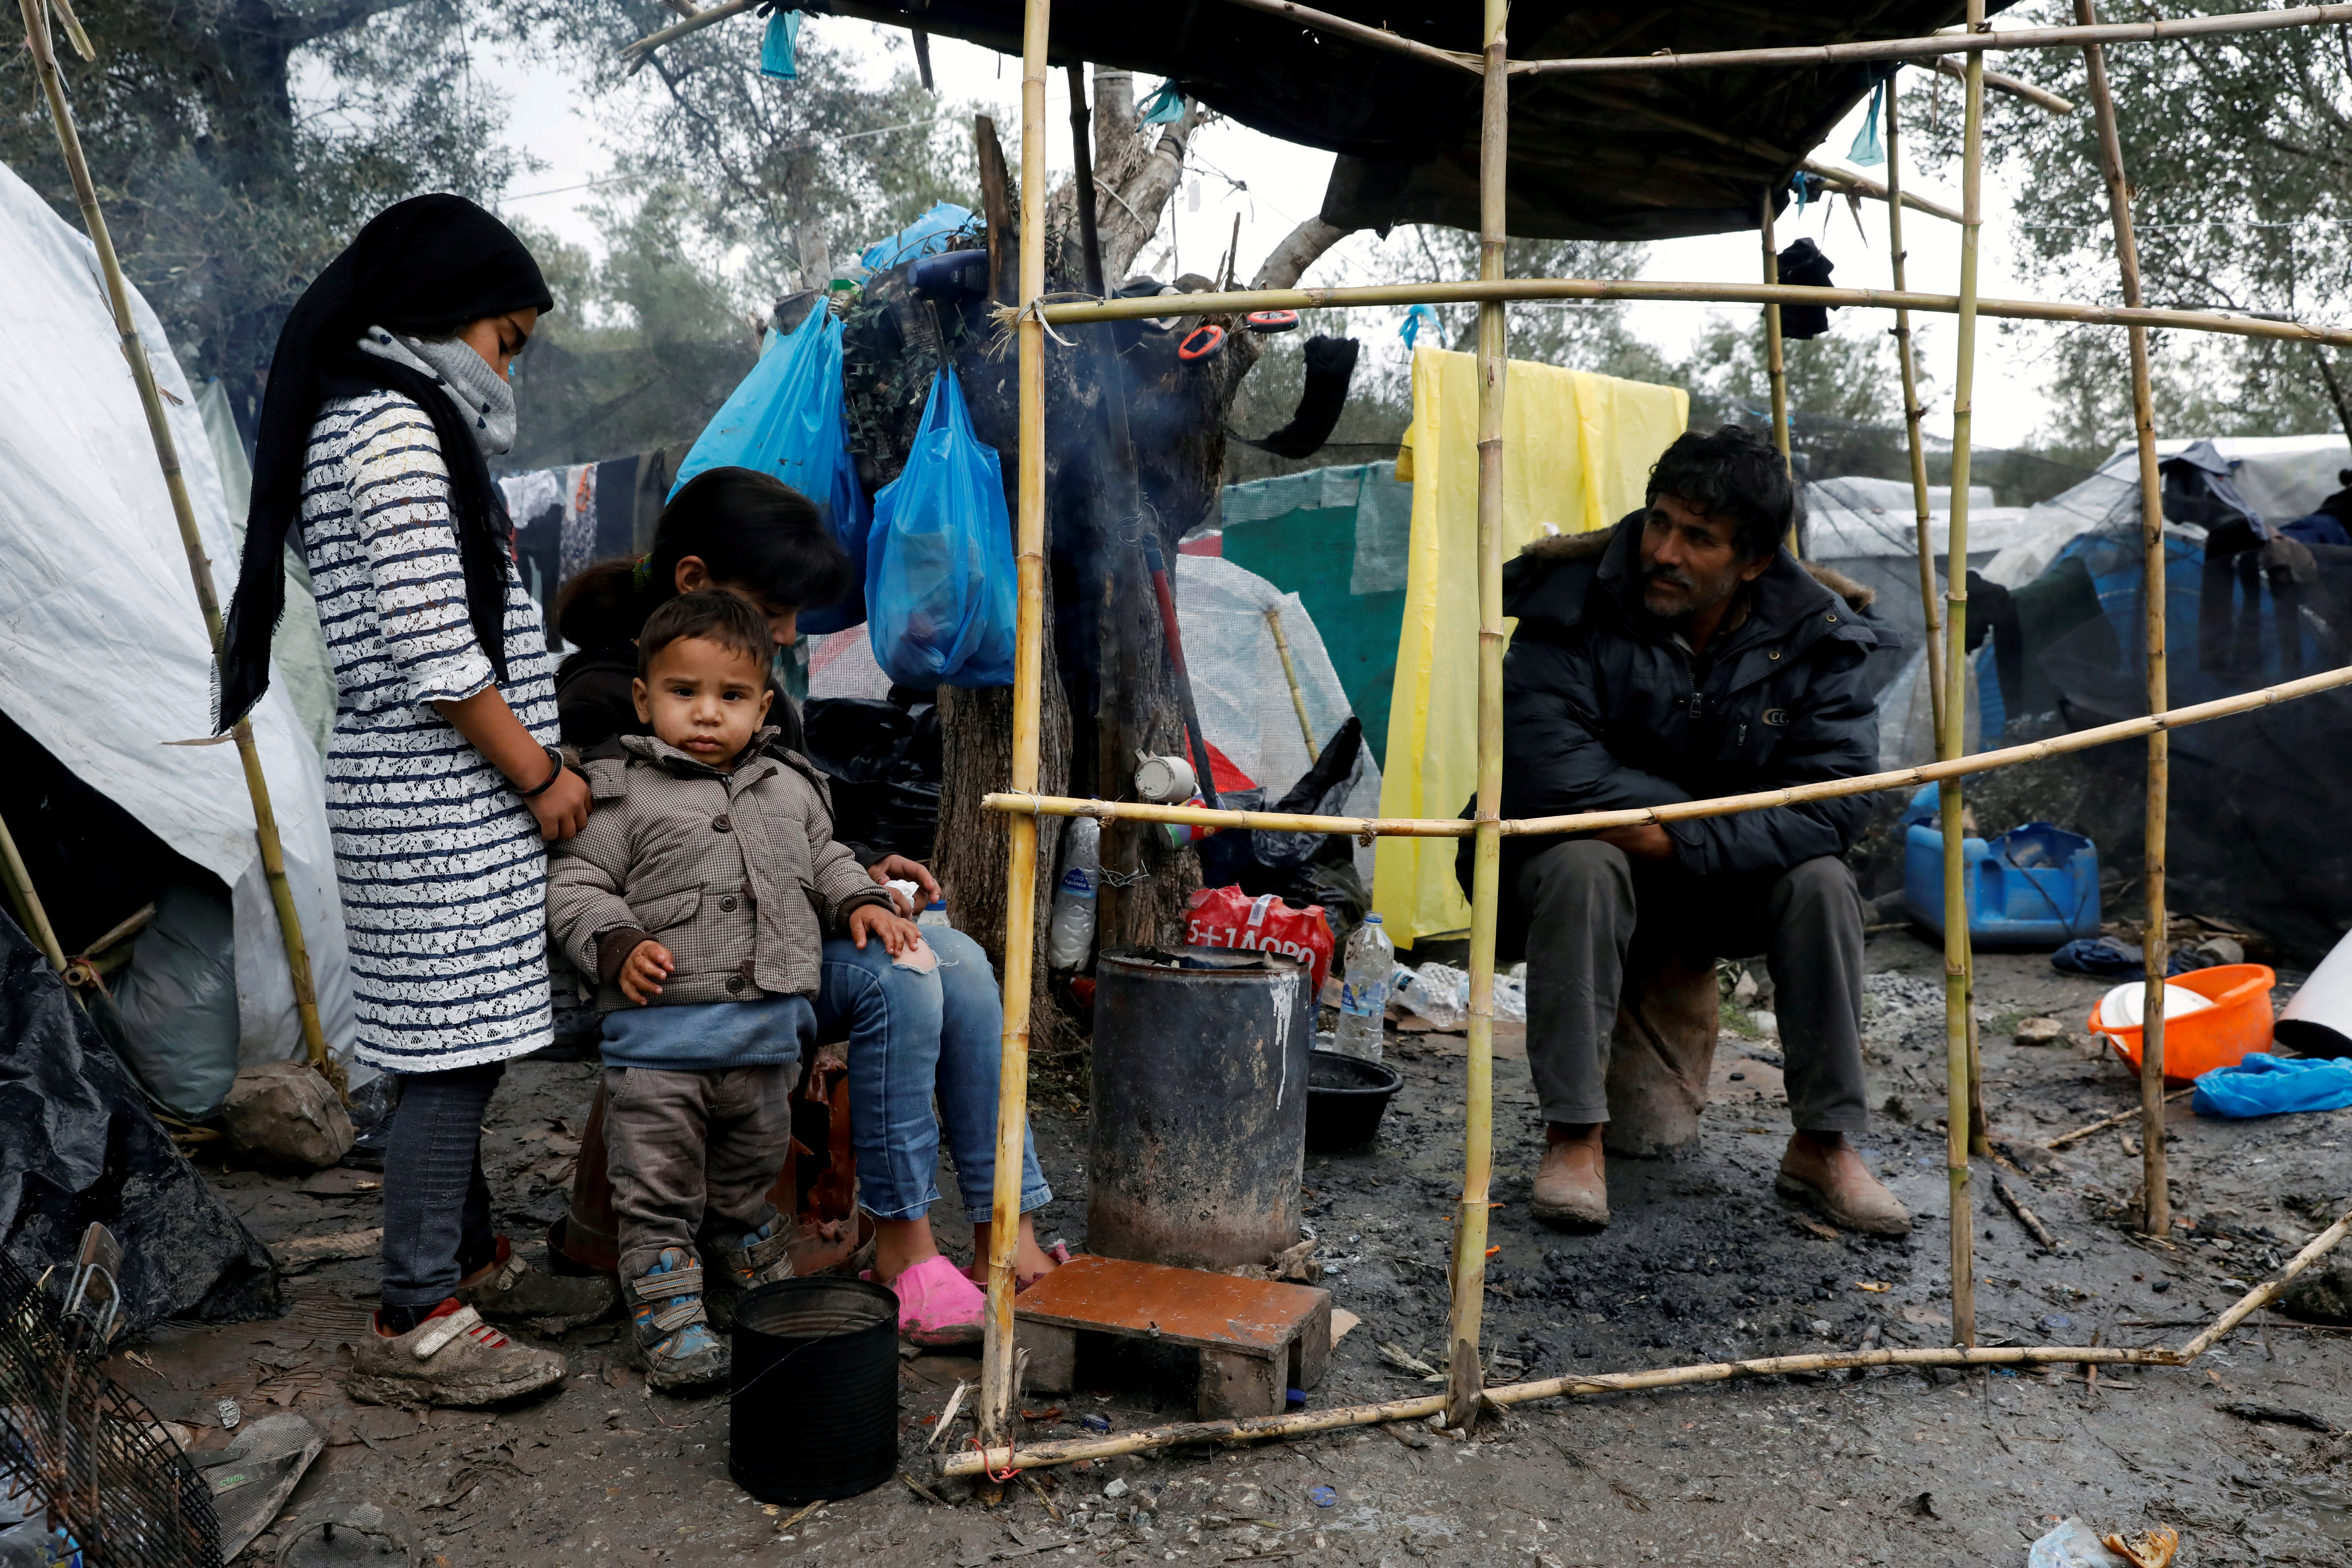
(1251, 1428)
(27, 901)
(1912, 415)
(199, 571)
(1241, 301)
(1306, 1423)
(1378, 37)
(1996, 82)
(1958, 1036)
(2106, 1122)
(2269, 1290)
(996, 1379)
(1683, 811)
(1876, 192)
(1466, 1372)
(1815, 56)
(1774, 370)
(1290, 674)
(2155, 1208)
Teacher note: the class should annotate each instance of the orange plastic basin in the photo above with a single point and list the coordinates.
(2219, 1035)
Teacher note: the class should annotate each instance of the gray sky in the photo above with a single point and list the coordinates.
(1272, 184)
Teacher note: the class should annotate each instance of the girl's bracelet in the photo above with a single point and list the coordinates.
(554, 772)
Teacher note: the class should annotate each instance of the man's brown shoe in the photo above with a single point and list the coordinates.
(1571, 1190)
(1837, 1185)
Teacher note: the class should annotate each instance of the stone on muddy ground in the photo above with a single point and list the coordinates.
(284, 1114)
(2040, 1031)
(2323, 1294)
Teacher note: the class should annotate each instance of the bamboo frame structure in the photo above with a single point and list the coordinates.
(1897, 257)
(1241, 301)
(996, 1369)
(1958, 1036)
(1776, 370)
(199, 571)
(1464, 1366)
(1976, 41)
(999, 1459)
(1025, 802)
(25, 899)
(2156, 1206)
(1491, 292)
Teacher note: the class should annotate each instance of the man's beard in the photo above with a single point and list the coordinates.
(1697, 596)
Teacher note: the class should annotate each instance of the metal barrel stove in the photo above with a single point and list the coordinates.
(1200, 1106)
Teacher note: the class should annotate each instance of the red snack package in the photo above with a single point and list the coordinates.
(1227, 917)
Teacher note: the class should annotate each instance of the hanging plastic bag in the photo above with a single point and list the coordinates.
(786, 418)
(780, 45)
(939, 574)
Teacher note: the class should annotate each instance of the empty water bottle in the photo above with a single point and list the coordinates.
(1364, 991)
(1070, 933)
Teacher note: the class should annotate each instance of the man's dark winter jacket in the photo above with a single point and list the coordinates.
(1603, 708)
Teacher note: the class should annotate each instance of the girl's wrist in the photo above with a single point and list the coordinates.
(554, 772)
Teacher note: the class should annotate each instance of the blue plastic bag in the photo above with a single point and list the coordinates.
(2265, 1085)
(786, 418)
(926, 236)
(940, 573)
(780, 45)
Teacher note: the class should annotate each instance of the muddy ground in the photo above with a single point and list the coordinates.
(1702, 1263)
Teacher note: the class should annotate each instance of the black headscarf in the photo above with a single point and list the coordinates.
(428, 265)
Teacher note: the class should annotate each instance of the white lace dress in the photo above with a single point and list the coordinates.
(443, 872)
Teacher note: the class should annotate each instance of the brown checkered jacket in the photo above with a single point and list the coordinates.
(736, 874)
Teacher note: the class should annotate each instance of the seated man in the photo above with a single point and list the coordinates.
(1682, 655)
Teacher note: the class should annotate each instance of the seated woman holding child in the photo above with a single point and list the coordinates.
(920, 1008)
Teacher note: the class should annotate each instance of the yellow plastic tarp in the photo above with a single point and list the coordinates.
(1577, 451)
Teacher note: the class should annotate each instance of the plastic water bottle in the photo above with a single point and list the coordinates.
(1070, 933)
(1364, 993)
(935, 914)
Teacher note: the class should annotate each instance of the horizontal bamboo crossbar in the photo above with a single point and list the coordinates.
(1249, 1428)
(1817, 55)
(1240, 302)
(1681, 810)
(1000, 1460)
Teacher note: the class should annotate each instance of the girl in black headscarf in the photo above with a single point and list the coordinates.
(387, 394)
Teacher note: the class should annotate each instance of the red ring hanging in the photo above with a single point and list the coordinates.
(1203, 343)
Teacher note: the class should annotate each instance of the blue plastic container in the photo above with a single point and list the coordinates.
(2033, 887)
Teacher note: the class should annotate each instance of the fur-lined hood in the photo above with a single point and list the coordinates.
(1551, 584)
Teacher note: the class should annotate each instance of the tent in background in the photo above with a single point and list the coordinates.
(104, 660)
(1338, 538)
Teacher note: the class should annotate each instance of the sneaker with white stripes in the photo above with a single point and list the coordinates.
(450, 1358)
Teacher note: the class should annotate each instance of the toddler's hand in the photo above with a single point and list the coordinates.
(641, 973)
(897, 932)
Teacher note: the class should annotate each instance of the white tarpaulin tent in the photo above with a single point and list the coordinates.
(103, 654)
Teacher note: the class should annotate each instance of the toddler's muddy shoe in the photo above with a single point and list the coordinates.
(451, 1358)
(670, 1333)
(509, 1291)
(760, 1257)
(939, 1309)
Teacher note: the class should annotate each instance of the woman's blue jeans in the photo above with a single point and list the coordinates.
(914, 1035)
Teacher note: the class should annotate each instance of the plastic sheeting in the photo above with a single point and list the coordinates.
(77, 1144)
(1579, 449)
(103, 656)
(1239, 687)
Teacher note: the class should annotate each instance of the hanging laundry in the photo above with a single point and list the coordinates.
(1164, 107)
(780, 45)
(1803, 263)
(1868, 152)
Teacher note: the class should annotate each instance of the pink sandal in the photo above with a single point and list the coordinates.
(939, 1309)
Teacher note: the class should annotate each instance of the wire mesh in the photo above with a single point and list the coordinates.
(82, 1452)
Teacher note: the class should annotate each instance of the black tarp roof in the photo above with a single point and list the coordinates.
(1589, 157)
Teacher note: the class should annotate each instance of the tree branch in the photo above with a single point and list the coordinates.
(298, 27)
(1286, 263)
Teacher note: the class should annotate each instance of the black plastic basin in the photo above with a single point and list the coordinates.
(1346, 1097)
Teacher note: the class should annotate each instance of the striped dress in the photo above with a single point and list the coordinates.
(443, 871)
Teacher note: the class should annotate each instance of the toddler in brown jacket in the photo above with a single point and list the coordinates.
(698, 895)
